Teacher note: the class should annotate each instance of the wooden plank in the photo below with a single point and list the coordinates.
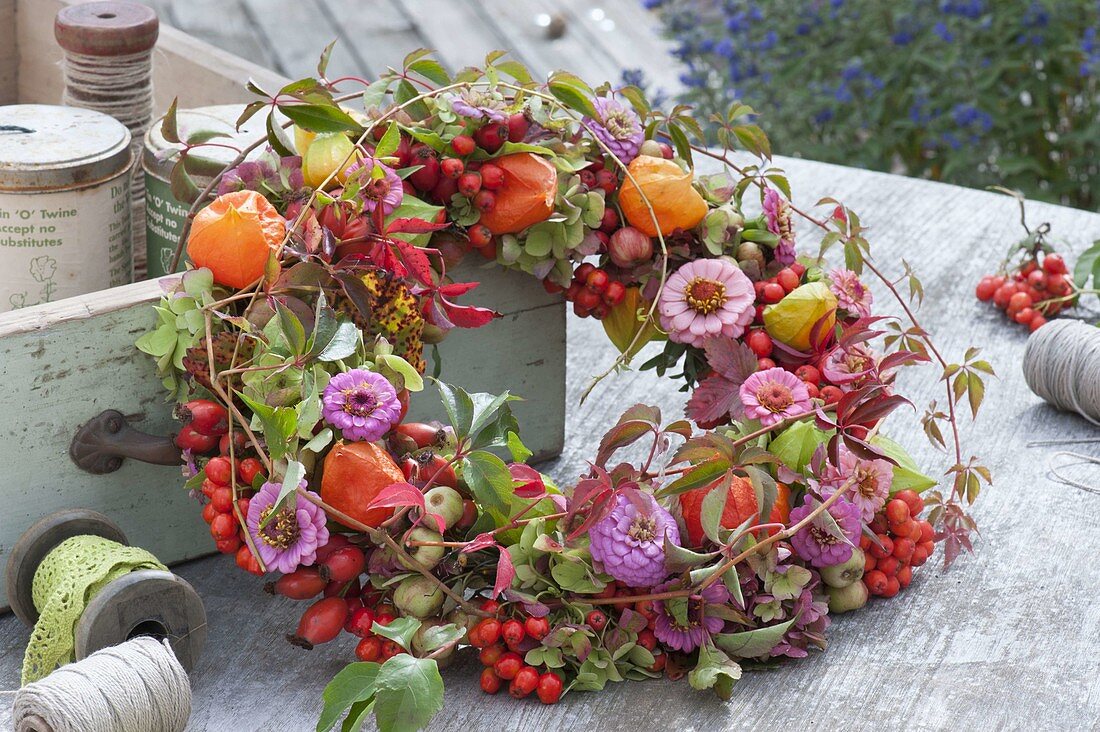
(518, 21)
(457, 32)
(295, 32)
(987, 645)
(196, 72)
(9, 53)
(68, 361)
(630, 35)
(380, 37)
(226, 24)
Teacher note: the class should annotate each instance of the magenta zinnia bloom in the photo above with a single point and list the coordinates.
(851, 294)
(477, 104)
(871, 482)
(699, 626)
(706, 298)
(777, 210)
(618, 127)
(846, 367)
(773, 395)
(379, 186)
(363, 405)
(816, 545)
(630, 541)
(292, 536)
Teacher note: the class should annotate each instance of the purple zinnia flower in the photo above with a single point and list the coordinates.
(777, 210)
(816, 545)
(871, 481)
(630, 541)
(476, 104)
(363, 405)
(706, 298)
(669, 626)
(292, 536)
(617, 127)
(379, 186)
(851, 294)
(773, 395)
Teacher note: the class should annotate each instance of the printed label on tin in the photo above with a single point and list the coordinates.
(164, 217)
(56, 245)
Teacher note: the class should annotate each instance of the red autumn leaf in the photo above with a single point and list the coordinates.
(413, 226)
(506, 572)
(467, 316)
(529, 483)
(416, 260)
(731, 359)
(455, 289)
(398, 495)
(713, 399)
(481, 541)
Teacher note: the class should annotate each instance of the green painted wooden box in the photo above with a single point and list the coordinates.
(62, 363)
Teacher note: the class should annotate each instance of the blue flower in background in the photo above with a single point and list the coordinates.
(942, 31)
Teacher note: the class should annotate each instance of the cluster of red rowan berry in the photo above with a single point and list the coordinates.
(902, 542)
(442, 177)
(502, 646)
(206, 428)
(1032, 293)
(593, 292)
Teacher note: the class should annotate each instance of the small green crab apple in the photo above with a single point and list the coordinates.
(419, 597)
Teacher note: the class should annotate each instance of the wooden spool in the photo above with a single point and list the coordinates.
(106, 28)
(146, 602)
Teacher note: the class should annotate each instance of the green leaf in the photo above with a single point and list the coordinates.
(400, 631)
(677, 558)
(907, 474)
(279, 424)
(412, 378)
(796, 444)
(410, 693)
(326, 55)
(387, 146)
(159, 342)
(753, 643)
(699, 475)
(459, 407)
(489, 480)
(487, 409)
(278, 139)
(295, 472)
(353, 683)
(169, 126)
(573, 93)
(575, 576)
(182, 185)
(520, 452)
(714, 505)
(1088, 264)
(320, 117)
(712, 666)
(291, 328)
(438, 636)
(430, 69)
(320, 441)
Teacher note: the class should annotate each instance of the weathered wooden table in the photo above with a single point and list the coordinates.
(1008, 639)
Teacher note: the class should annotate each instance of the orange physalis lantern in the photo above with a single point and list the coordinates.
(527, 195)
(354, 474)
(233, 237)
(675, 202)
(740, 506)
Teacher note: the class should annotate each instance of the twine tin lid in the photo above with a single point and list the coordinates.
(45, 147)
(222, 119)
(106, 28)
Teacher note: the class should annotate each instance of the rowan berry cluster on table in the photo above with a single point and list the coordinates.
(324, 267)
(1035, 291)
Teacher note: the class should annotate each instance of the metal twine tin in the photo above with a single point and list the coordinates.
(164, 213)
(64, 204)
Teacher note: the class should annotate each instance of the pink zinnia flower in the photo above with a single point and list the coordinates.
(816, 545)
(629, 542)
(291, 537)
(706, 298)
(851, 294)
(871, 482)
(379, 186)
(777, 210)
(846, 367)
(773, 395)
(363, 405)
(700, 626)
(618, 127)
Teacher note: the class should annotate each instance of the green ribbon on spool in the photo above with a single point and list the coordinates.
(64, 583)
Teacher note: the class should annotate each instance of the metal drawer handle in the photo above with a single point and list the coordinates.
(107, 439)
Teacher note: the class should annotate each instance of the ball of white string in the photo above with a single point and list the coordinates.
(137, 685)
(1062, 365)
